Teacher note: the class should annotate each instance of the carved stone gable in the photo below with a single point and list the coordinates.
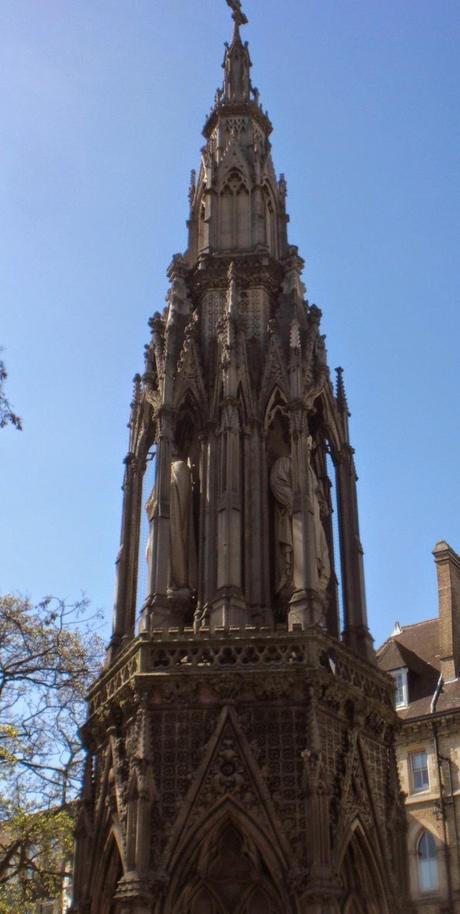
(228, 772)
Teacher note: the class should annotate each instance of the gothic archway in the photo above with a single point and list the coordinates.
(227, 874)
(108, 872)
(235, 212)
(361, 877)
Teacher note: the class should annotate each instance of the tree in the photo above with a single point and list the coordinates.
(49, 655)
(7, 416)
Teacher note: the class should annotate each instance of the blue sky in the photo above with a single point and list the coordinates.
(102, 104)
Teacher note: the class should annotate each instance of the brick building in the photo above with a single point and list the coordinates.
(424, 660)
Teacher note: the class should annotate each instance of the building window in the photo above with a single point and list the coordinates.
(419, 771)
(427, 863)
(401, 694)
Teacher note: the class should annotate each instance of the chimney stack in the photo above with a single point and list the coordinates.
(448, 572)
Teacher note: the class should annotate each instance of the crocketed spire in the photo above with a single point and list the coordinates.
(237, 66)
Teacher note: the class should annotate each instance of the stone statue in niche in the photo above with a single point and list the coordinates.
(323, 561)
(288, 575)
(281, 487)
(183, 558)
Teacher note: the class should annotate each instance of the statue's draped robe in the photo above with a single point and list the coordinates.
(323, 562)
(281, 486)
(183, 561)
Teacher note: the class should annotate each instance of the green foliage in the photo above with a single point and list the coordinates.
(49, 655)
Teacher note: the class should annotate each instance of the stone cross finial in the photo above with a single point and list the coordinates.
(238, 16)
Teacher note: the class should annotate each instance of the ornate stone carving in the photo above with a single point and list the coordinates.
(214, 738)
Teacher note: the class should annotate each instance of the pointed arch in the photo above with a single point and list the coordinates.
(189, 422)
(235, 211)
(190, 388)
(275, 375)
(108, 873)
(362, 875)
(276, 405)
(229, 864)
(233, 160)
(427, 858)
(200, 899)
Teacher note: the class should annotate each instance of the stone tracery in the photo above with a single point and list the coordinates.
(233, 739)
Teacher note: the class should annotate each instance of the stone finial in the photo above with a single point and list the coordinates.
(282, 188)
(137, 380)
(149, 358)
(340, 394)
(237, 62)
(192, 187)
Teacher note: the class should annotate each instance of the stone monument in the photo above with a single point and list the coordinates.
(240, 747)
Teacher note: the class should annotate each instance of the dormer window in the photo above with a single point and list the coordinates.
(401, 693)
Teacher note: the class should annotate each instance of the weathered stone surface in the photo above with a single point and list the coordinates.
(240, 756)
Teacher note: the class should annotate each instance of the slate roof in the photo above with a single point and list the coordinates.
(416, 647)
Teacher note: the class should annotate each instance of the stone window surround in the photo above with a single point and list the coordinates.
(412, 756)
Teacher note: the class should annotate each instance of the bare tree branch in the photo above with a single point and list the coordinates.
(7, 416)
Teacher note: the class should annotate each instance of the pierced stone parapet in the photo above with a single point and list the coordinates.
(240, 651)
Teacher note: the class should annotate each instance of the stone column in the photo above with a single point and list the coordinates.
(134, 892)
(356, 633)
(208, 560)
(126, 565)
(256, 525)
(228, 605)
(264, 529)
(201, 604)
(321, 889)
(259, 230)
(332, 610)
(133, 896)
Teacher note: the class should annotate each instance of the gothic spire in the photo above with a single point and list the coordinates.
(237, 62)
